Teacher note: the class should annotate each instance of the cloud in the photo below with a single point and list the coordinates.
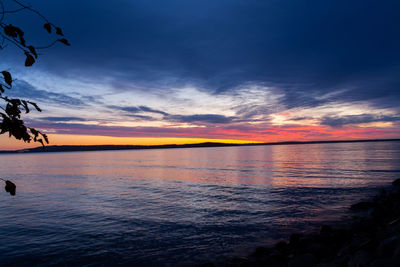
(62, 119)
(142, 117)
(200, 118)
(139, 109)
(150, 110)
(24, 90)
(357, 119)
(128, 109)
(195, 118)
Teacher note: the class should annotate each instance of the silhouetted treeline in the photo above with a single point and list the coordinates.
(67, 148)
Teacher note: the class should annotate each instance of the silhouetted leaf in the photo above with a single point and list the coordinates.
(10, 187)
(59, 31)
(64, 41)
(25, 104)
(22, 40)
(47, 26)
(20, 35)
(29, 60)
(12, 110)
(45, 138)
(7, 77)
(35, 105)
(33, 51)
(10, 31)
(40, 140)
(15, 32)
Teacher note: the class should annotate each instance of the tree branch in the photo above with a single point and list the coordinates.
(33, 10)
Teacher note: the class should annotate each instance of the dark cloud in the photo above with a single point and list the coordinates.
(150, 110)
(300, 118)
(195, 118)
(355, 119)
(142, 117)
(24, 90)
(128, 109)
(62, 119)
(139, 109)
(200, 118)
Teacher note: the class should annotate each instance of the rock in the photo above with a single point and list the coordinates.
(388, 246)
(303, 260)
(281, 246)
(363, 205)
(325, 229)
(260, 251)
(394, 222)
(396, 254)
(328, 264)
(275, 260)
(361, 258)
(207, 264)
(295, 239)
(342, 261)
(240, 261)
(341, 236)
(318, 249)
(381, 263)
(344, 251)
(396, 182)
(369, 245)
(382, 192)
(367, 225)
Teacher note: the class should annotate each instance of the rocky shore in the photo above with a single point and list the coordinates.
(371, 238)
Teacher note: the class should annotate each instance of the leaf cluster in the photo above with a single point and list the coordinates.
(11, 121)
(10, 187)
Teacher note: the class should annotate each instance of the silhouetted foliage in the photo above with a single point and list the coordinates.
(10, 187)
(12, 108)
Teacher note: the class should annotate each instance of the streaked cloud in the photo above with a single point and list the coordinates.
(139, 109)
(200, 118)
(357, 119)
(24, 90)
(62, 119)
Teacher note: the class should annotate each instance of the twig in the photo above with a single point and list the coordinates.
(13, 11)
(2, 12)
(33, 10)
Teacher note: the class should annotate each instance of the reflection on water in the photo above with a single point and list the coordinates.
(178, 205)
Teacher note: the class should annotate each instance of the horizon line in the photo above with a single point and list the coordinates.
(82, 148)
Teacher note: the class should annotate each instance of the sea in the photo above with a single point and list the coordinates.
(180, 207)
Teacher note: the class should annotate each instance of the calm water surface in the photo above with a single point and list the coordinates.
(179, 206)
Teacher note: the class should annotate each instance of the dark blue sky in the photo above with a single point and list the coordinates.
(299, 46)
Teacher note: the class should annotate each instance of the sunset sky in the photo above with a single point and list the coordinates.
(184, 71)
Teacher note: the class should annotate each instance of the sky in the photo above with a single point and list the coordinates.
(186, 71)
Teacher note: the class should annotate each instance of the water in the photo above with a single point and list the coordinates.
(179, 206)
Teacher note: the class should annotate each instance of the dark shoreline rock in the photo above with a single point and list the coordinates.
(371, 239)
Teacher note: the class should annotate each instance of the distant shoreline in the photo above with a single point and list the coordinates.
(82, 148)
